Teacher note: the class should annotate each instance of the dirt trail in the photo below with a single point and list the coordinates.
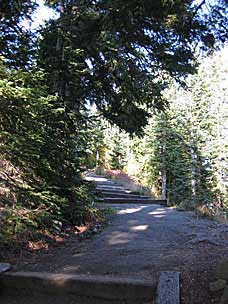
(140, 241)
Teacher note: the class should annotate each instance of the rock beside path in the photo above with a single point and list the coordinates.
(4, 267)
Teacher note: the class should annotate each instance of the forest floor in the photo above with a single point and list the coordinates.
(139, 241)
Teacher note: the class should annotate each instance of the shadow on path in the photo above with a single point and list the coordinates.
(139, 241)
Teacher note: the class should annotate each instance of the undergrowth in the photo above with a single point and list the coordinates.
(29, 214)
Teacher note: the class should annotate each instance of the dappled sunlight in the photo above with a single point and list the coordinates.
(139, 228)
(159, 215)
(95, 179)
(130, 210)
(59, 279)
(77, 255)
(159, 212)
(120, 238)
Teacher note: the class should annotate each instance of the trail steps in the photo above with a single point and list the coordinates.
(113, 192)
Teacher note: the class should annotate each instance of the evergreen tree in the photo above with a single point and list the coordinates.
(185, 148)
(117, 153)
(96, 143)
(15, 40)
(113, 53)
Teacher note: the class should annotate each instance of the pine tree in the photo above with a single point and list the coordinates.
(15, 40)
(114, 54)
(195, 141)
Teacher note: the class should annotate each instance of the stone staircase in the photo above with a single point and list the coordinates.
(114, 192)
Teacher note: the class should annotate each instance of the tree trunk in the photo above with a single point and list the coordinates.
(163, 171)
(193, 170)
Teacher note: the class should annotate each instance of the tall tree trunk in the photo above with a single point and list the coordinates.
(163, 171)
(193, 169)
(219, 160)
(97, 159)
(193, 154)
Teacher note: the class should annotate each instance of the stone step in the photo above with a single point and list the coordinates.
(114, 188)
(138, 200)
(117, 191)
(168, 290)
(57, 288)
(108, 181)
(101, 185)
(117, 194)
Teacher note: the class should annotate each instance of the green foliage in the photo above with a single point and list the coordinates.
(37, 140)
(185, 148)
(117, 54)
(96, 144)
(117, 153)
(81, 209)
(15, 38)
(22, 224)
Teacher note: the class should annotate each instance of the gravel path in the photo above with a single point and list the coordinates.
(139, 241)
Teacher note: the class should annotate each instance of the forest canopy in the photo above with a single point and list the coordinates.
(117, 54)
